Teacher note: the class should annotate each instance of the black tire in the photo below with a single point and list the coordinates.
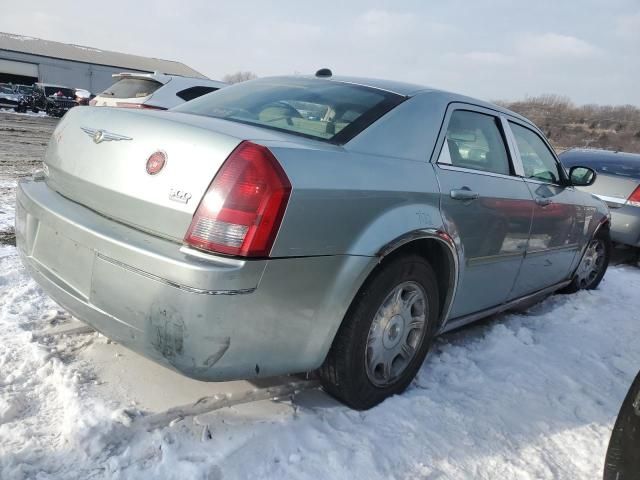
(603, 236)
(623, 455)
(344, 372)
(35, 109)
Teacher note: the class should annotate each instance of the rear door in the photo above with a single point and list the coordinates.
(485, 205)
(560, 218)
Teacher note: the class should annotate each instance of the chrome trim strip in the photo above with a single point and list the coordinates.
(175, 284)
(606, 198)
(472, 317)
(540, 251)
(442, 237)
(494, 258)
(445, 166)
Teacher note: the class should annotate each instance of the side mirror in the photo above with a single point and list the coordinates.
(582, 176)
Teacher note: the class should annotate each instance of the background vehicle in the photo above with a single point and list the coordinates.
(55, 100)
(153, 90)
(236, 237)
(82, 96)
(618, 184)
(9, 98)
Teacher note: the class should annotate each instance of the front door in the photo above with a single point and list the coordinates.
(485, 207)
(558, 220)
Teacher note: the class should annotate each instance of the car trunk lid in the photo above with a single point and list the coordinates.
(614, 190)
(97, 157)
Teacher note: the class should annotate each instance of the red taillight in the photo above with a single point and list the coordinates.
(634, 198)
(241, 212)
(138, 105)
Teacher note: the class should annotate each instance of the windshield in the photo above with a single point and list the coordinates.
(132, 88)
(315, 108)
(25, 89)
(58, 92)
(5, 90)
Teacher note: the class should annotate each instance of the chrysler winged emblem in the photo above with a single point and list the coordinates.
(99, 136)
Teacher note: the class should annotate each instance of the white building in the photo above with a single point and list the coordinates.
(25, 60)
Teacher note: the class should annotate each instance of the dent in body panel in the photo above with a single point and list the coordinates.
(167, 333)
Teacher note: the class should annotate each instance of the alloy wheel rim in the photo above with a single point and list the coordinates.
(396, 333)
(591, 264)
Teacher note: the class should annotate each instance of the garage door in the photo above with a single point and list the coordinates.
(19, 68)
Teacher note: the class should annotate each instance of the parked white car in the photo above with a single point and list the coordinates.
(153, 90)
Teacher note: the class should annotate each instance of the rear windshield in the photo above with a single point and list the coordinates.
(132, 88)
(314, 108)
(613, 164)
(25, 89)
(59, 92)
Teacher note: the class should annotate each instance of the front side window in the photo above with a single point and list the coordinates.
(537, 160)
(474, 141)
(316, 108)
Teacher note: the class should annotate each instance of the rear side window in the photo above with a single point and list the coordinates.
(59, 92)
(194, 92)
(537, 160)
(315, 108)
(474, 141)
(132, 88)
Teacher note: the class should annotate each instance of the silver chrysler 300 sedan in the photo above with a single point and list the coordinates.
(299, 223)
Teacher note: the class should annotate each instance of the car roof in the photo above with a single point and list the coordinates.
(411, 89)
(164, 78)
(594, 154)
(53, 85)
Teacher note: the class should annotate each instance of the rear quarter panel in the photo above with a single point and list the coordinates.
(355, 199)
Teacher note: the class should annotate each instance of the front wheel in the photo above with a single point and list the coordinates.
(594, 263)
(385, 335)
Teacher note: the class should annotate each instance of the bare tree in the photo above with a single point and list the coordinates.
(568, 125)
(238, 77)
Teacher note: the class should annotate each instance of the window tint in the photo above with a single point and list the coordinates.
(316, 108)
(194, 92)
(537, 160)
(132, 88)
(474, 141)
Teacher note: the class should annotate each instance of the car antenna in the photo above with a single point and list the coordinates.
(324, 73)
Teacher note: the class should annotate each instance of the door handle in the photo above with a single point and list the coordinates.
(543, 202)
(464, 193)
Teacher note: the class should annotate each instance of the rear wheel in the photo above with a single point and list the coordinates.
(386, 334)
(594, 263)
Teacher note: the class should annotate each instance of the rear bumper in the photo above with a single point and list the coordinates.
(625, 225)
(210, 318)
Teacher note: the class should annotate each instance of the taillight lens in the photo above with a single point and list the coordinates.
(241, 212)
(634, 198)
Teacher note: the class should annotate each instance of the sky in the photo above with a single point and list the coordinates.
(588, 50)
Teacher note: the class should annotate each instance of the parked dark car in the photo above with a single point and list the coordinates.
(618, 184)
(8, 98)
(623, 455)
(56, 100)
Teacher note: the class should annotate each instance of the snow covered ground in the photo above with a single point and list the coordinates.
(531, 395)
